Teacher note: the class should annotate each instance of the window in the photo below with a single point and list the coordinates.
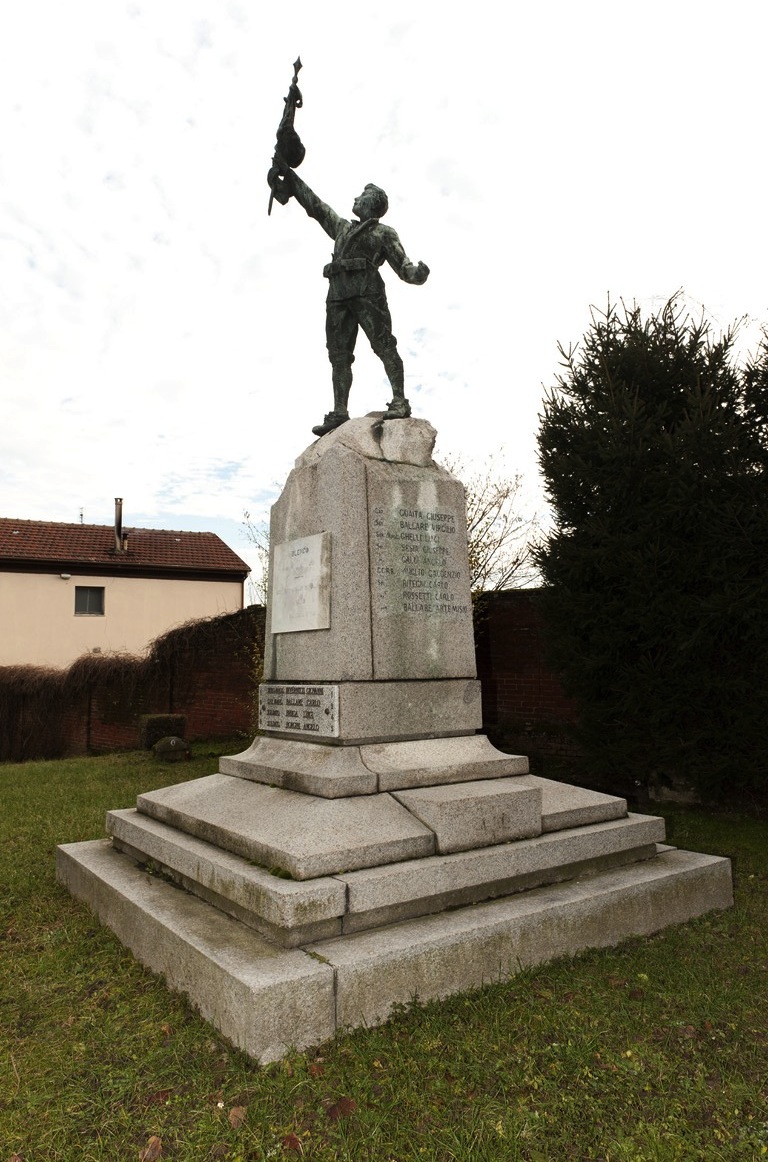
(89, 599)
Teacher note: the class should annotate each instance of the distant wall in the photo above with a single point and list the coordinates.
(39, 625)
(208, 670)
(524, 705)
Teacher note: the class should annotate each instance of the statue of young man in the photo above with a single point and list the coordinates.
(356, 294)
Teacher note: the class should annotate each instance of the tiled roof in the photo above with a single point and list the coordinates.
(93, 546)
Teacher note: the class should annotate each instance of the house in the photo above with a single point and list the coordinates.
(70, 589)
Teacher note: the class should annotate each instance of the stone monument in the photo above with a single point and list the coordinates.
(371, 846)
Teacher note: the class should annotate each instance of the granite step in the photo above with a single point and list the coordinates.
(436, 956)
(563, 805)
(292, 912)
(385, 895)
(267, 1000)
(303, 835)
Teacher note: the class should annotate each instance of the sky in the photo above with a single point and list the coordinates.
(162, 338)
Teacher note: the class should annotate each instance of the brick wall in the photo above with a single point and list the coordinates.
(524, 705)
(207, 671)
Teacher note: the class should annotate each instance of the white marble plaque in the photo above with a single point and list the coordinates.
(301, 584)
(312, 711)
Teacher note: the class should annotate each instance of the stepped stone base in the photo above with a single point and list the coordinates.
(310, 886)
(295, 912)
(440, 883)
(268, 999)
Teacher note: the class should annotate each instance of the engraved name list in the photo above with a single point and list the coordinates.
(415, 562)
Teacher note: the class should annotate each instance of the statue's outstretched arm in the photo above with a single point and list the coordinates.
(328, 218)
(416, 273)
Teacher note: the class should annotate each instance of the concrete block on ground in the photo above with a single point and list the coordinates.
(291, 912)
(466, 815)
(438, 955)
(303, 835)
(265, 1000)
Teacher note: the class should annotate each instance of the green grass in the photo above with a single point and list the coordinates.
(657, 1050)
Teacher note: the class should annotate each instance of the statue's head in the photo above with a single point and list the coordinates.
(372, 203)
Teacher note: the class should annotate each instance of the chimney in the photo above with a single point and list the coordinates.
(118, 524)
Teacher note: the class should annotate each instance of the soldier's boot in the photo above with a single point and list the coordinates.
(398, 408)
(342, 382)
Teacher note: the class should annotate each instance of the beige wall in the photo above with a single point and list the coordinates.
(38, 624)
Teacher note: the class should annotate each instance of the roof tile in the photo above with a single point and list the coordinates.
(42, 541)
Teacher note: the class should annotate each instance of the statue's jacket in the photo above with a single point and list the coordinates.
(360, 249)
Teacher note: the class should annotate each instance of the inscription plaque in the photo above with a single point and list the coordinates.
(308, 710)
(301, 584)
(414, 561)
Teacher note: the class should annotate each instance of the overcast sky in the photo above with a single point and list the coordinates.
(162, 339)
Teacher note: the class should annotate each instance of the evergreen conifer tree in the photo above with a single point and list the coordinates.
(653, 448)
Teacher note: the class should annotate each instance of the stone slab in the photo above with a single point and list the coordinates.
(429, 762)
(289, 911)
(442, 954)
(331, 772)
(298, 709)
(303, 835)
(384, 895)
(564, 806)
(301, 589)
(477, 814)
(338, 772)
(266, 1000)
(326, 497)
(399, 578)
(371, 712)
(421, 605)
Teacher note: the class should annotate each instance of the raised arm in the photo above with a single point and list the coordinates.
(328, 218)
(415, 273)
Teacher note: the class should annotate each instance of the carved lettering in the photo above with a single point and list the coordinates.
(295, 709)
(413, 550)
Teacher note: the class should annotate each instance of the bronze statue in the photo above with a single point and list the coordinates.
(356, 294)
(289, 149)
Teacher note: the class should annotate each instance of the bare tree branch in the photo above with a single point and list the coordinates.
(258, 535)
(499, 538)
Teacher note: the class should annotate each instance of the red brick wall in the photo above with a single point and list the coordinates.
(210, 675)
(206, 670)
(524, 704)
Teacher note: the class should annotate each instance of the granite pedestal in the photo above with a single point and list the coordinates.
(371, 846)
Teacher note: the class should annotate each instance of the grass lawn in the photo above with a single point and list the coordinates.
(655, 1050)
